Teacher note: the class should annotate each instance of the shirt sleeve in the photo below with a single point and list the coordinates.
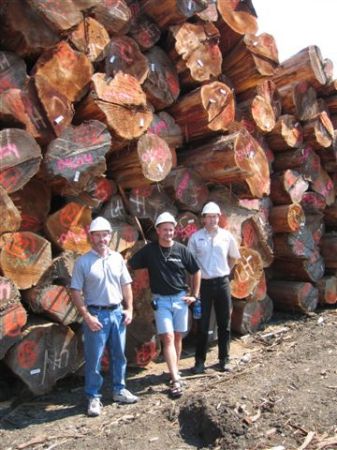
(125, 275)
(191, 264)
(138, 260)
(77, 279)
(233, 249)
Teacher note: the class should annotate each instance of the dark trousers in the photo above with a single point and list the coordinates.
(215, 291)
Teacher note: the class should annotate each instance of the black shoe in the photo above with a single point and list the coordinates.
(223, 365)
(198, 368)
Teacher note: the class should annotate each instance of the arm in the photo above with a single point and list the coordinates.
(93, 323)
(127, 302)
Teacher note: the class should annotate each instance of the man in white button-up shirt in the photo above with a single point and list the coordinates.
(215, 251)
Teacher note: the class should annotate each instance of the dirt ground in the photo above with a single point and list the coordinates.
(280, 394)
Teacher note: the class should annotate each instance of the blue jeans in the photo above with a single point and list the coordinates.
(112, 335)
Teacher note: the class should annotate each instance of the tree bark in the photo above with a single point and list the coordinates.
(293, 296)
(311, 269)
(286, 134)
(299, 244)
(114, 15)
(235, 159)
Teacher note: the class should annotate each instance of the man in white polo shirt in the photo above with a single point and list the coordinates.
(102, 277)
(215, 251)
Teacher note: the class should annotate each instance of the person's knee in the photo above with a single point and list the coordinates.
(167, 339)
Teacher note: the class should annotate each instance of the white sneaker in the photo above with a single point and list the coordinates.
(94, 407)
(124, 396)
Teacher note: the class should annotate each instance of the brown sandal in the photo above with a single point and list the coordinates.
(176, 389)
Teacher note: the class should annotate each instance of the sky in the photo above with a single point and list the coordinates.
(296, 24)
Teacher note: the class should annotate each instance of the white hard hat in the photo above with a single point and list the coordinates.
(165, 217)
(211, 208)
(100, 224)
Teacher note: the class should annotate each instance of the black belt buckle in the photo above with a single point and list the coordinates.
(104, 307)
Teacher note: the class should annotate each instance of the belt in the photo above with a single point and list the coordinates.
(214, 280)
(109, 307)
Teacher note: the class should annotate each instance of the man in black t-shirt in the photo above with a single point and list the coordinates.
(167, 262)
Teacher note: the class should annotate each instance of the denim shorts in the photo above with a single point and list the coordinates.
(172, 313)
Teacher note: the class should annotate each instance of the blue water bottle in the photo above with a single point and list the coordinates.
(197, 309)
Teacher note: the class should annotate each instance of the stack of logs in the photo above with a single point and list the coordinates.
(127, 108)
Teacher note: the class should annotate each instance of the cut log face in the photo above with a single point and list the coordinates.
(20, 158)
(13, 315)
(249, 317)
(312, 202)
(147, 202)
(124, 55)
(57, 108)
(22, 108)
(287, 187)
(12, 320)
(250, 61)
(235, 19)
(319, 132)
(327, 290)
(59, 15)
(323, 185)
(46, 353)
(164, 126)
(196, 53)
(13, 71)
(33, 202)
(98, 191)
(120, 103)
(286, 218)
(187, 189)
(10, 215)
(257, 234)
(145, 32)
(54, 302)
(172, 12)
(90, 37)
(247, 273)
(300, 99)
(78, 155)
(155, 157)
(287, 133)
(162, 84)
(114, 209)
(124, 236)
(24, 257)
(115, 15)
(68, 227)
(293, 296)
(24, 30)
(262, 105)
(65, 70)
(187, 224)
(60, 270)
(303, 160)
(205, 110)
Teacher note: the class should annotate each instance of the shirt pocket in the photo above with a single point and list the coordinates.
(201, 248)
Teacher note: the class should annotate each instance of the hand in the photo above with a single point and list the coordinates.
(127, 316)
(93, 323)
(189, 299)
